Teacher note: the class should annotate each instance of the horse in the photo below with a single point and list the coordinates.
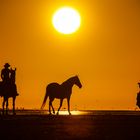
(60, 91)
(8, 90)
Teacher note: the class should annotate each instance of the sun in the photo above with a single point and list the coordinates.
(66, 20)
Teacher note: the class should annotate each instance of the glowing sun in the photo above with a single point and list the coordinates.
(66, 20)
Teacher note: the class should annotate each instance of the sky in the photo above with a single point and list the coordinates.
(104, 52)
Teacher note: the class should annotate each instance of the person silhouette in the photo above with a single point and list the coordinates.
(139, 85)
(138, 97)
(8, 86)
(5, 74)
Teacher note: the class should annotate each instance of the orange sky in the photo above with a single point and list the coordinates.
(105, 52)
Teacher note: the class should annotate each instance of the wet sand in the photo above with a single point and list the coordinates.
(78, 127)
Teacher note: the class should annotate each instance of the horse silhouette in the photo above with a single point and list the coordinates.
(60, 91)
(9, 90)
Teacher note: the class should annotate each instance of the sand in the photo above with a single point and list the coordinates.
(78, 127)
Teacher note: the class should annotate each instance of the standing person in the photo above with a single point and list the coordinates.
(139, 85)
(138, 97)
(5, 74)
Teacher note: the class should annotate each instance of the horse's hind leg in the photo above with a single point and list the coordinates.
(14, 98)
(61, 101)
(3, 104)
(50, 103)
(53, 109)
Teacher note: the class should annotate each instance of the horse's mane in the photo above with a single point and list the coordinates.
(69, 80)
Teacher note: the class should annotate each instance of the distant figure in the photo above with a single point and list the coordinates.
(139, 85)
(8, 87)
(138, 97)
(60, 91)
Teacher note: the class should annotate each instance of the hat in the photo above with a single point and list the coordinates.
(6, 65)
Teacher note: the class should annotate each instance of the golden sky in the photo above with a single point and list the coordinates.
(104, 52)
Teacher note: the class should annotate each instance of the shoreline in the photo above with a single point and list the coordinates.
(75, 112)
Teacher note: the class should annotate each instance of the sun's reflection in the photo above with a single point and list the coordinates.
(72, 112)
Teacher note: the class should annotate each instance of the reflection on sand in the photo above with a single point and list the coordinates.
(72, 113)
(46, 112)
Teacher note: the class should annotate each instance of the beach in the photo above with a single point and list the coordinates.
(79, 127)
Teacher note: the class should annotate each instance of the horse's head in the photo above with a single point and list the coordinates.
(77, 81)
(13, 71)
(13, 75)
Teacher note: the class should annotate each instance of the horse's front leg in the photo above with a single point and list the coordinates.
(68, 100)
(61, 101)
(7, 106)
(14, 98)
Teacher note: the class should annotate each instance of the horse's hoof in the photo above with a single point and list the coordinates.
(14, 113)
(53, 112)
(50, 113)
(69, 113)
(57, 113)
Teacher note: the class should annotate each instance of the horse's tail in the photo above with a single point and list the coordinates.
(45, 99)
